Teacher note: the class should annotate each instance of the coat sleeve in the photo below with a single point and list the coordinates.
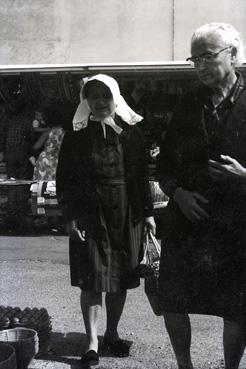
(146, 191)
(67, 179)
(169, 158)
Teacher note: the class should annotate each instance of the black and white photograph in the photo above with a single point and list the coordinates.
(122, 184)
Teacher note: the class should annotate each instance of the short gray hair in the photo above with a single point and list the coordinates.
(228, 34)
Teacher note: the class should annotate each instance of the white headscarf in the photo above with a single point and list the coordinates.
(83, 111)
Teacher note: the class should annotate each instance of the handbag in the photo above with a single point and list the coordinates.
(149, 270)
(149, 264)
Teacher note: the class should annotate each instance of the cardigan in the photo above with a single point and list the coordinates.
(76, 183)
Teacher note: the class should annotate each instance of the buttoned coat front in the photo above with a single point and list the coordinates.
(110, 209)
(203, 264)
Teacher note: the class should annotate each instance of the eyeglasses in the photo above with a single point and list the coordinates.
(206, 57)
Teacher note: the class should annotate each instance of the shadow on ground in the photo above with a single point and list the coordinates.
(68, 348)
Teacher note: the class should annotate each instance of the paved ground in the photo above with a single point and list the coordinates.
(34, 272)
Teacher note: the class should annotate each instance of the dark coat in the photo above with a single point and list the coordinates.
(202, 268)
(185, 153)
(75, 179)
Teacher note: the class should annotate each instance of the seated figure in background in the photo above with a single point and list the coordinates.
(58, 117)
(45, 166)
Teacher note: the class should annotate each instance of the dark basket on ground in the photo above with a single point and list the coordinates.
(7, 357)
(25, 343)
(36, 319)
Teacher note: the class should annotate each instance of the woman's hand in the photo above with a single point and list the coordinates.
(74, 233)
(150, 225)
(229, 170)
(190, 203)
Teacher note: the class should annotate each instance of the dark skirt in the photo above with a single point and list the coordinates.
(202, 269)
(108, 259)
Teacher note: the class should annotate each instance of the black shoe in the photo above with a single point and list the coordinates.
(118, 348)
(91, 357)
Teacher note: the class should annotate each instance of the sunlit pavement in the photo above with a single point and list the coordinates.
(34, 272)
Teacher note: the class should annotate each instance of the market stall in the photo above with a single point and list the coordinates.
(152, 90)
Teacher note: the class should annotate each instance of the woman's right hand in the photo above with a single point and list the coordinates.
(190, 204)
(73, 232)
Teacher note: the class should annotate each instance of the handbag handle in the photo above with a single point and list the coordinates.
(145, 251)
(156, 243)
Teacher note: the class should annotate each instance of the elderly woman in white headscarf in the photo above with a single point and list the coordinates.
(103, 189)
(203, 171)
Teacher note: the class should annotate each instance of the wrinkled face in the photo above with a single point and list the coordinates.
(100, 100)
(215, 71)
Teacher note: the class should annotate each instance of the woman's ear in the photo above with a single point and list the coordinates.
(234, 55)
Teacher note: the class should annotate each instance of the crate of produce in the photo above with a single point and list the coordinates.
(43, 199)
(33, 318)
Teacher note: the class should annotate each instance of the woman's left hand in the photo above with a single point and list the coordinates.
(150, 225)
(229, 170)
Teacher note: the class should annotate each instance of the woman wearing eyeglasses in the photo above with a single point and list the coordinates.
(203, 171)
